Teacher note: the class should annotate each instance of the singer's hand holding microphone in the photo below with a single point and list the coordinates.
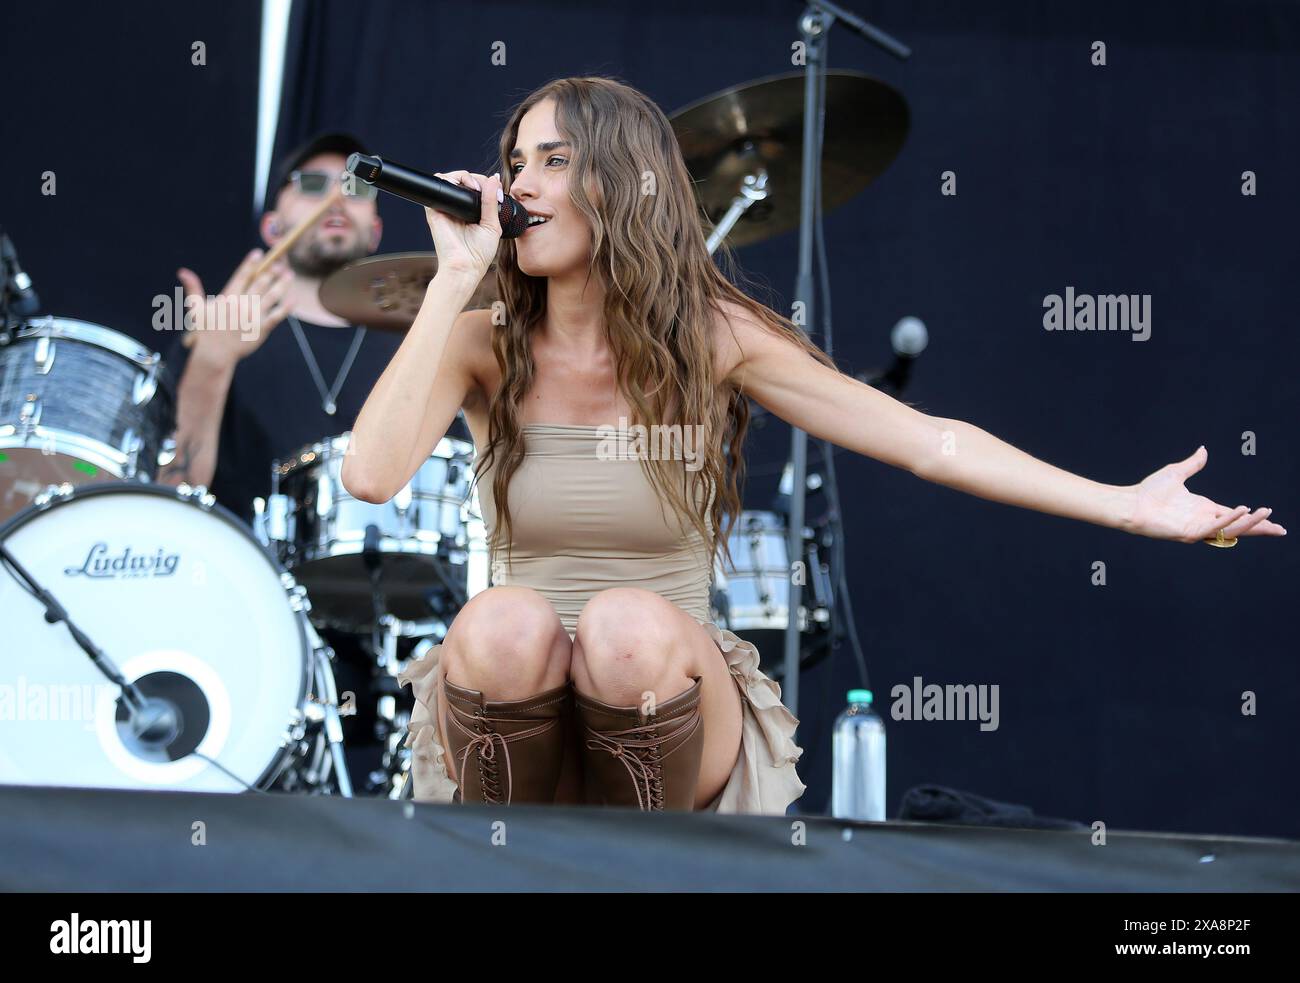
(468, 214)
(466, 249)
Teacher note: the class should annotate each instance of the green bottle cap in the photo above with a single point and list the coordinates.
(859, 696)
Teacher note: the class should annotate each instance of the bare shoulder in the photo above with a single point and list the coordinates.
(738, 334)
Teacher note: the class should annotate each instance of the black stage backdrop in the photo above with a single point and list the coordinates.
(1119, 703)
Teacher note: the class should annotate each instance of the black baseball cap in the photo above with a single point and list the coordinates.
(323, 143)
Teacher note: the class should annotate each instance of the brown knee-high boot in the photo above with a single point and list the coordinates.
(650, 761)
(508, 751)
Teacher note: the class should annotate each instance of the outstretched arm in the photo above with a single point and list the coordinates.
(832, 406)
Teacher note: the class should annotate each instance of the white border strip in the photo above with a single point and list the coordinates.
(275, 34)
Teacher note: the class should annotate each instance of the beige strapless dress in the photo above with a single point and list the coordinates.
(584, 521)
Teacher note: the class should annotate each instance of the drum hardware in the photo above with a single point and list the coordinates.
(44, 355)
(225, 643)
(374, 561)
(316, 773)
(323, 710)
(750, 595)
(403, 786)
(296, 593)
(389, 576)
(52, 494)
(167, 451)
(394, 774)
(198, 494)
(392, 716)
(145, 386)
(384, 651)
(29, 417)
(270, 520)
(753, 189)
(17, 297)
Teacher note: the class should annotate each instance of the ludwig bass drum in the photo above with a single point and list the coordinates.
(183, 600)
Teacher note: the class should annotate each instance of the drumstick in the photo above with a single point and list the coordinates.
(285, 244)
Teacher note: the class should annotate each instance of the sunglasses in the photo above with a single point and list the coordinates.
(315, 184)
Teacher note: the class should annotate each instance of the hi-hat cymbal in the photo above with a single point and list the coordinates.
(386, 292)
(759, 126)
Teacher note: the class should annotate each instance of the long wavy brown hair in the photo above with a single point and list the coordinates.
(662, 295)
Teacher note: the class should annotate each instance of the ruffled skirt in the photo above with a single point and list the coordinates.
(763, 781)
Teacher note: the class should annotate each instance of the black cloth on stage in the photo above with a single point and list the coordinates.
(936, 804)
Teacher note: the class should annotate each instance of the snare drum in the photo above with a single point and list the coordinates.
(79, 403)
(425, 546)
(188, 606)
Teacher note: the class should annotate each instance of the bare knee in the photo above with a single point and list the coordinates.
(507, 642)
(629, 644)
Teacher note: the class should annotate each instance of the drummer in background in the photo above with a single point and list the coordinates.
(248, 397)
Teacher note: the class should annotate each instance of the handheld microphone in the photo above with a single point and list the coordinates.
(433, 192)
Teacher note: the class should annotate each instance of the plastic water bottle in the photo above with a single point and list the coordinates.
(858, 774)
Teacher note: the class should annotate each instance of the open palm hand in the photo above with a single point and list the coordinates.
(1165, 509)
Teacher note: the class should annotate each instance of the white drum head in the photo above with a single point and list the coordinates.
(162, 587)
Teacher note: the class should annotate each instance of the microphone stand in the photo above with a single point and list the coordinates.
(54, 613)
(16, 295)
(6, 277)
(818, 17)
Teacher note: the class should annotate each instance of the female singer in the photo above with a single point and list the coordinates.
(590, 671)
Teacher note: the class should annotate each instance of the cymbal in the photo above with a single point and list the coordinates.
(386, 292)
(759, 125)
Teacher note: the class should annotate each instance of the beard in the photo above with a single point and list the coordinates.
(315, 258)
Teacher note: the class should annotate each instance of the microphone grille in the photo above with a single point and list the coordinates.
(514, 218)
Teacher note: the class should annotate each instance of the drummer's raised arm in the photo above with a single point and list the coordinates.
(209, 367)
(200, 403)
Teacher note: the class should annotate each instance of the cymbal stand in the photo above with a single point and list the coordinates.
(818, 18)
